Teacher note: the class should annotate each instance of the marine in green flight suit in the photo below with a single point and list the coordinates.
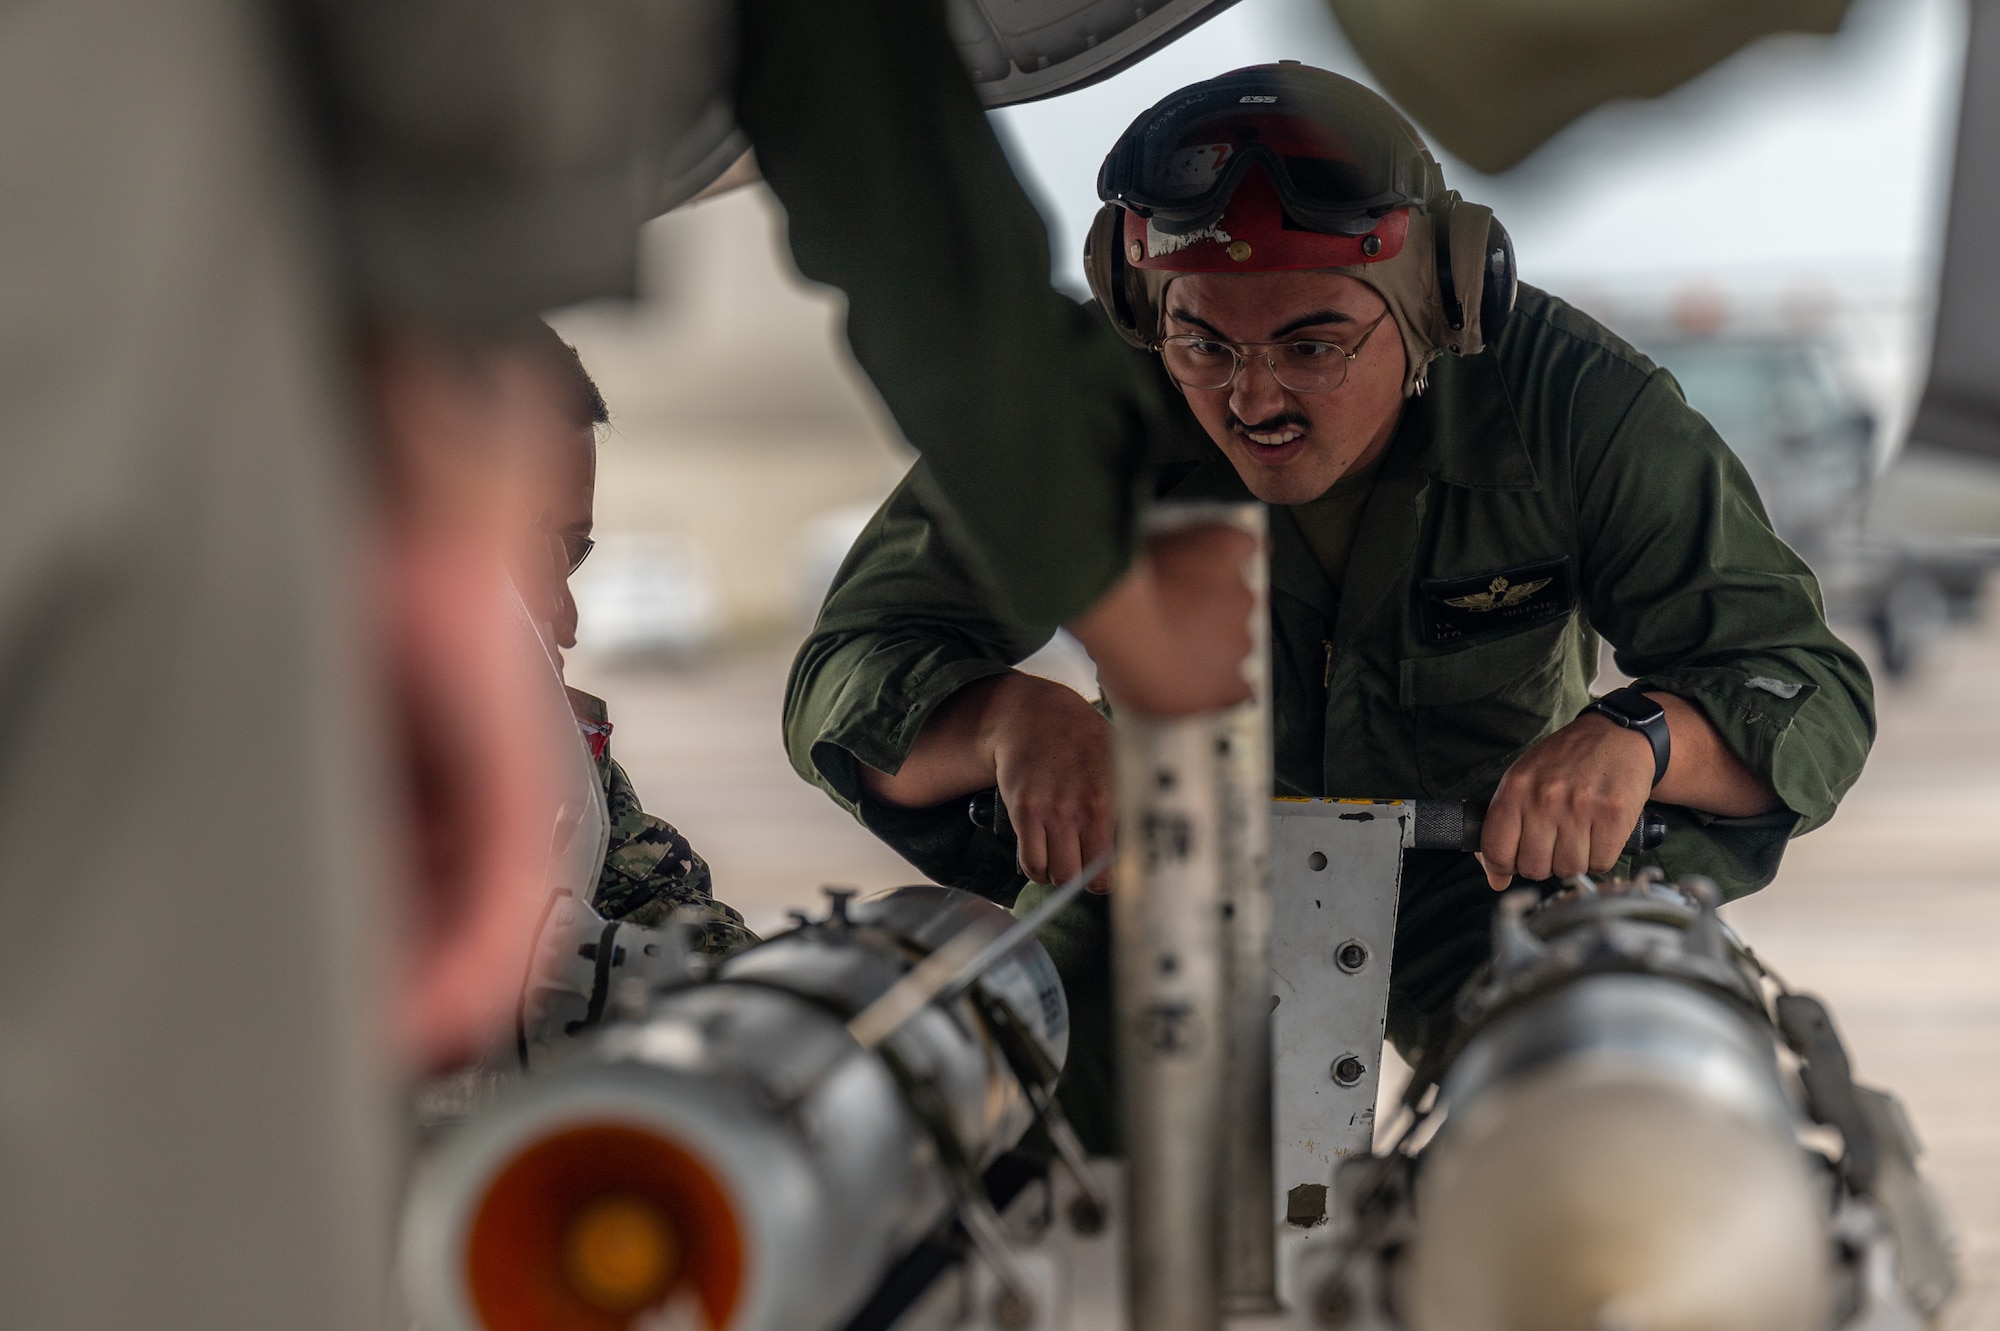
(1436, 614)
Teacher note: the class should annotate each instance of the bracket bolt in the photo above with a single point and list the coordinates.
(1347, 1070)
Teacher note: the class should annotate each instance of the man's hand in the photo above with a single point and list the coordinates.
(1052, 761)
(1568, 804)
(1170, 637)
(1047, 750)
(457, 432)
(479, 801)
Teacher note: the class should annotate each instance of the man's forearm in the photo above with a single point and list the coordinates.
(479, 727)
(947, 760)
(1568, 803)
(1045, 748)
(1703, 773)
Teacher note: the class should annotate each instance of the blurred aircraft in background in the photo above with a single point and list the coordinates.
(1788, 406)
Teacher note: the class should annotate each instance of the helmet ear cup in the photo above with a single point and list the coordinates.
(1501, 283)
(1497, 276)
(1115, 283)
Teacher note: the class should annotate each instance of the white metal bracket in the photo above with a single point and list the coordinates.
(1336, 869)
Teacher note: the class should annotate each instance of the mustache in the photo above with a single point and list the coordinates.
(1275, 423)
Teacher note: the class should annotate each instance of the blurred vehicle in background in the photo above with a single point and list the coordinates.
(818, 551)
(650, 596)
(1808, 439)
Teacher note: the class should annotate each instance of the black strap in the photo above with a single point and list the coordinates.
(1454, 309)
(1613, 707)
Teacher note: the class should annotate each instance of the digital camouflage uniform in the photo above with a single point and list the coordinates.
(1550, 490)
(650, 870)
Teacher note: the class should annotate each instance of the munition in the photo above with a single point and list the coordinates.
(1625, 1116)
(725, 1154)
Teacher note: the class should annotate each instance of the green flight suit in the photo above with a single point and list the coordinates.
(1552, 489)
(1028, 409)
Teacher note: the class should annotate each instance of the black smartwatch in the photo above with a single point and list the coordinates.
(1635, 711)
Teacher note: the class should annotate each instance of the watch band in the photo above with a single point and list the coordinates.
(1633, 710)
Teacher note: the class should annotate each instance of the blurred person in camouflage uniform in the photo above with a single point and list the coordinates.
(650, 871)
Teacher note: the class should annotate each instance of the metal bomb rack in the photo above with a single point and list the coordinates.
(816, 1135)
(1252, 944)
(1631, 1074)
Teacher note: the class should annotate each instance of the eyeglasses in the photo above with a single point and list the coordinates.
(573, 550)
(569, 549)
(1307, 365)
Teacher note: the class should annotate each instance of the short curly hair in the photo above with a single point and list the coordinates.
(586, 403)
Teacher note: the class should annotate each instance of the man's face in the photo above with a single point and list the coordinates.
(561, 501)
(1290, 447)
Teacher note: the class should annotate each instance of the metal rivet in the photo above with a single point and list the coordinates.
(1316, 861)
(1371, 246)
(1351, 956)
(1347, 1069)
(1136, 250)
(1239, 250)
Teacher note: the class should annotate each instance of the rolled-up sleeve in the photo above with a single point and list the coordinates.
(905, 626)
(1701, 599)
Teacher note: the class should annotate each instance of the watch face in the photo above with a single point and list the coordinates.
(1633, 707)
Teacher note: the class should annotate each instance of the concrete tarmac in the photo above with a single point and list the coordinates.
(1891, 912)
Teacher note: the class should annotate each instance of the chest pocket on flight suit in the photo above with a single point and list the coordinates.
(1476, 708)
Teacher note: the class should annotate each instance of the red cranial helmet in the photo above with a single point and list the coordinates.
(1281, 168)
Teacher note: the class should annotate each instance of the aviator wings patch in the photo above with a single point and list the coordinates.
(1499, 595)
(1508, 598)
